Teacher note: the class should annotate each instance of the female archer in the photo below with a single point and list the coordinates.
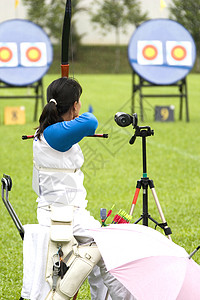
(57, 176)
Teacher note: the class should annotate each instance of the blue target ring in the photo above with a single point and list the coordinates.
(26, 52)
(162, 51)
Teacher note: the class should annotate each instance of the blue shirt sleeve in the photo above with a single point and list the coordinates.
(62, 136)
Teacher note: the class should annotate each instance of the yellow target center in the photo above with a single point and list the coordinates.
(150, 52)
(178, 53)
(5, 54)
(33, 54)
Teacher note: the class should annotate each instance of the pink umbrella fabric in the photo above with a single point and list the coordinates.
(150, 265)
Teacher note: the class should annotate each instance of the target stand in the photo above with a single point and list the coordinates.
(26, 54)
(180, 87)
(161, 53)
(37, 88)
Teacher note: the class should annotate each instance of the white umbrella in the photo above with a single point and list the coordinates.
(150, 265)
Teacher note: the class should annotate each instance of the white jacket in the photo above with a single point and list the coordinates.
(57, 178)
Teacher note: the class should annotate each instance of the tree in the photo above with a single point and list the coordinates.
(117, 14)
(49, 15)
(187, 13)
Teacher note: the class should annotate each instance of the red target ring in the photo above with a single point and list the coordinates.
(178, 52)
(5, 54)
(33, 54)
(150, 52)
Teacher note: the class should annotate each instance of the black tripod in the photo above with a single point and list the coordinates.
(145, 182)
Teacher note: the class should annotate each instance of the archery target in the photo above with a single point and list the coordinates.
(26, 52)
(33, 54)
(149, 53)
(8, 55)
(161, 51)
(179, 53)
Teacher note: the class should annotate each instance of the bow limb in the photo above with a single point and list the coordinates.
(65, 40)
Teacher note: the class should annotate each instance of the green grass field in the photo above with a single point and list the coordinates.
(112, 167)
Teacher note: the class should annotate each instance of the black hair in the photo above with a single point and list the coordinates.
(65, 91)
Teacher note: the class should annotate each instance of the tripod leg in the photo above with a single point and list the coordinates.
(138, 187)
(166, 228)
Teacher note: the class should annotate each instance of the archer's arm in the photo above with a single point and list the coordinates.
(63, 135)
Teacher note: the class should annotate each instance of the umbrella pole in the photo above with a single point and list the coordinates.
(193, 252)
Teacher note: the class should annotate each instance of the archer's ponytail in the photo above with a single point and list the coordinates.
(48, 117)
(61, 95)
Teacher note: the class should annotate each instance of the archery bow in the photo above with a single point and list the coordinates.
(65, 40)
(65, 50)
(65, 56)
